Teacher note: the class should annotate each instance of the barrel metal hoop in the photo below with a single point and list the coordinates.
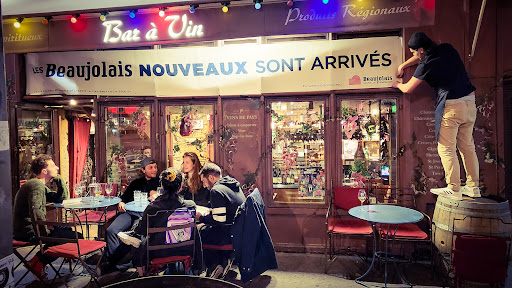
(475, 214)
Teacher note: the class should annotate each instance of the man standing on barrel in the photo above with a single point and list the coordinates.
(455, 111)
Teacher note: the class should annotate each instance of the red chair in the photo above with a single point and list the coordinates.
(71, 249)
(482, 259)
(339, 223)
(416, 233)
(20, 244)
(101, 218)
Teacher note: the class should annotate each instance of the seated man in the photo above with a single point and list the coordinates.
(171, 180)
(116, 250)
(225, 197)
(34, 194)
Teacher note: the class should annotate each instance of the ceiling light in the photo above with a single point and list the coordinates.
(132, 13)
(72, 102)
(17, 24)
(103, 16)
(74, 18)
(193, 8)
(161, 13)
(225, 8)
(47, 19)
(257, 4)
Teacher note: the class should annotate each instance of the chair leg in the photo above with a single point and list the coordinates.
(27, 265)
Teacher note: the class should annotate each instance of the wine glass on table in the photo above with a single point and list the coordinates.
(361, 195)
(108, 189)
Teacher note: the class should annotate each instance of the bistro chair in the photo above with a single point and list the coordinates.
(69, 249)
(101, 218)
(154, 265)
(416, 233)
(340, 224)
(23, 260)
(480, 258)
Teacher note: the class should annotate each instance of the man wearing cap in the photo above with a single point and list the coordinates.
(455, 111)
(116, 249)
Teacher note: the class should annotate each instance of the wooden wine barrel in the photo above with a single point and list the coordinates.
(482, 216)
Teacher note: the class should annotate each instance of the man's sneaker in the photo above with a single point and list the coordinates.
(471, 191)
(129, 239)
(447, 192)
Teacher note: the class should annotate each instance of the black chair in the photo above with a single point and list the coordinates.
(154, 265)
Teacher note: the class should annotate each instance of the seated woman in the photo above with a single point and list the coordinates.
(193, 186)
(170, 180)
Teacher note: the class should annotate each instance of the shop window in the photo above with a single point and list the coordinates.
(368, 139)
(34, 138)
(298, 165)
(128, 140)
(188, 129)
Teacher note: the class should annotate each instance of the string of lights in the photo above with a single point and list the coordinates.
(74, 18)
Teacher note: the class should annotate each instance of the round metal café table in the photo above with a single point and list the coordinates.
(134, 207)
(90, 203)
(181, 281)
(387, 215)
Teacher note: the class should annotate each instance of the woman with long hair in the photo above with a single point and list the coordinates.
(192, 188)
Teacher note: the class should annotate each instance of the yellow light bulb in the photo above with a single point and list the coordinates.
(225, 9)
(17, 24)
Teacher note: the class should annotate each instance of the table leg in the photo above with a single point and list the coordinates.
(375, 234)
(386, 257)
(86, 225)
(393, 258)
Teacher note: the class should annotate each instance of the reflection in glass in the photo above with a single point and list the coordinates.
(298, 165)
(127, 138)
(368, 138)
(188, 129)
(34, 138)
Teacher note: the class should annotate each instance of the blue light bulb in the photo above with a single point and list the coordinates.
(325, 1)
(132, 14)
(257, 5)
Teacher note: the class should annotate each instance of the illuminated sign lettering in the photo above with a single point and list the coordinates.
(114, 32)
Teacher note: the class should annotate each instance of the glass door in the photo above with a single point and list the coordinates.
(128, 141)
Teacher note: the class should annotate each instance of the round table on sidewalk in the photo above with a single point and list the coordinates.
(182, 281)
(89, 203)
(136, 207)
(389, 215)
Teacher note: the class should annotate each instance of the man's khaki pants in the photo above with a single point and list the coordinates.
(456, 132)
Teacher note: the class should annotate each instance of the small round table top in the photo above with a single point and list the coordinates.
(383, 213)
(90, 202)
(134, 207)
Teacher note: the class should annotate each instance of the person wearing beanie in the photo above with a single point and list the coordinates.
(116, 250)
(455, 111)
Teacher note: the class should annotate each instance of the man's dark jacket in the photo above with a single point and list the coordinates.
(254, 251)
